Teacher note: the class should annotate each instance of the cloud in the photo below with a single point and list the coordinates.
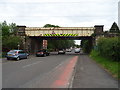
(59, 12)
(96, 1)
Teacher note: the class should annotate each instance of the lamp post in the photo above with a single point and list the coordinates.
(18, 46)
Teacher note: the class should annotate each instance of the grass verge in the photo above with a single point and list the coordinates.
(110, 65)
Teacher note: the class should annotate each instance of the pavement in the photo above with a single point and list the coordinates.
(88, 74)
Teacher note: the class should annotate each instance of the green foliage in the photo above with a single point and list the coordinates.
(50, 25)
(8, 30)
(60, 44)
(3, 54)
(78, 46)
(109, 47)
(13, 28)
(9, 38)
(5, 29)
(10, 42)
(107, 63)
(114, 28)
(93, 35)
(86, 45)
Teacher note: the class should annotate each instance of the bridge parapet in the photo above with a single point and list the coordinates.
(59, 31)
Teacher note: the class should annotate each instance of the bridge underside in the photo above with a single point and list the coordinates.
(63, 38)
(35, 43)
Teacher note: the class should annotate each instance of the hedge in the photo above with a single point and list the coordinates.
(109, 47)
(87, 46)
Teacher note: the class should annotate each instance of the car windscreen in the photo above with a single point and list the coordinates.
(21, 52)
(12, 51)
(40, 51)
(61, 49)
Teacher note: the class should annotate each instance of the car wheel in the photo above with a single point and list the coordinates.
(8, 58)
(26, 57)
(18, 58)
(44, 55)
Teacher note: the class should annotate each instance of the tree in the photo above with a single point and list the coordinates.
(9, 40)
(5, 29)
(114, 28)
(87, 45)
(60, 44)
(13, 28)
(50, 25)
(8, 30)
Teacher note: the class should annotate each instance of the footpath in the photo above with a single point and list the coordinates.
(88, 74)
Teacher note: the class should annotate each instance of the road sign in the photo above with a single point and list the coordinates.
(45, 44)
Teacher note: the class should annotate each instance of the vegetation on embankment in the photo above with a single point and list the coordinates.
(110, 65)
(107, 54)
(109, 47)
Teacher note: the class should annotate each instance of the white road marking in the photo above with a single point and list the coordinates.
(31, 64)
(36, 80)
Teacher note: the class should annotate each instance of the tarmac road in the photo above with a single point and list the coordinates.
(54, 71)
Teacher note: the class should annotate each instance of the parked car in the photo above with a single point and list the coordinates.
(16, 54)
(42, 52)
(68, 50)
(61, 51)
(77, 50)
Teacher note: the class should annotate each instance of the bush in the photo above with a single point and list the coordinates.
(87, 46)
(4, 54)
(10, 42)
(109, 47)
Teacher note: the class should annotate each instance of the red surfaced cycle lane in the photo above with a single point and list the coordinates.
(63, 80)
(59, 77)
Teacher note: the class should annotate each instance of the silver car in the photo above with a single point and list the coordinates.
(61, 51)
(77, 50)
(16, 54)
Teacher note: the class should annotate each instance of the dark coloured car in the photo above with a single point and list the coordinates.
(42, 52)
(16, 54)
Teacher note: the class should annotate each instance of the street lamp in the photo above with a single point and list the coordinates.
(18, 46)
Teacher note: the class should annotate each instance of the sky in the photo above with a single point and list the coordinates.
(119, 14)
(64, 13)
(78, 42)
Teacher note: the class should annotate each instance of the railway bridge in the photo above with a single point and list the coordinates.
(35, 38)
